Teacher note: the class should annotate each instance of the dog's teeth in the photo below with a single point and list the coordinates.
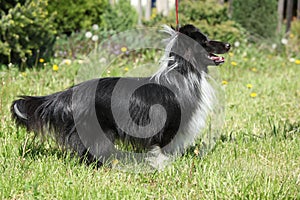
(216, 58)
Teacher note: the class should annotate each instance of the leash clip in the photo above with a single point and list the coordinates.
(177, 27)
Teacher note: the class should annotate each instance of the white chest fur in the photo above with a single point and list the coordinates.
(188, 134)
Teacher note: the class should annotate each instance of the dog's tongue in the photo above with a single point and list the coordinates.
(217, 58)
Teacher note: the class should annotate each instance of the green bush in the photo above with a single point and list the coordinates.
(73, 24)
(5, 5)
(293, 46)
(75, 15)
(211, 18)
(120, 17)
(208, 15)
(26, 33)
(116, 18)
(210, 11)
(258, 17)
(79, 44)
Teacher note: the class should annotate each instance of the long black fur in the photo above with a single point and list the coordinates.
(180, 99)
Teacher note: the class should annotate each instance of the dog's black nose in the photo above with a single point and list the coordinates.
(227, 46)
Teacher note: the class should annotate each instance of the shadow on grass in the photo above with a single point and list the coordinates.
(34, 149)
(285, 129)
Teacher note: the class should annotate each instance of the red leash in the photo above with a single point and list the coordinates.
(177, 19)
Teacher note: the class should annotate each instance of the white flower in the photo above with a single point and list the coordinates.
(80, 61)
(284, 41)
(95, 27)
(10, 65)
(95, 38)
(102, 60)
(66, 62)
(88, 34)
(237, 44)
(274, 46)
(292, 59)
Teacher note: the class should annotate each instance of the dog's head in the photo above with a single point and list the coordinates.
(211, 47)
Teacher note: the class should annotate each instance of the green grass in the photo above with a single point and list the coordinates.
(258, 156)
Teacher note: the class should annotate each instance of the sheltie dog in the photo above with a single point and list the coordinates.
(162, 114)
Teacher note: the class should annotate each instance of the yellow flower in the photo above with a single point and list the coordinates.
(41, 60)
(115, 162)
(126, 69)
(224, 82)
(291, 35)
(253, 94)
(55, 67)
(123, 49)
(253, 69)
(230, 54)
(234, 63)
(154, 13)
(245, 59)
(297, 62)
(249, 85)
(196, 151)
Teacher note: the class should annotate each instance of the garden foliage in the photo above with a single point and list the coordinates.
(209, 15)
(119, 17)
(5, 5)
(294, 39)
(26, 32)
(75, 15)
(212, 18)
(116, 18)
(258, 17)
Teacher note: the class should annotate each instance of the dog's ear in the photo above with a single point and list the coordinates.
(194, 33)
(188, 29)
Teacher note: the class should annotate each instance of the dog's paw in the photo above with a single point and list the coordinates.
(157, 159)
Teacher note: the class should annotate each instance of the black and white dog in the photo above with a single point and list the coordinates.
(163, 113)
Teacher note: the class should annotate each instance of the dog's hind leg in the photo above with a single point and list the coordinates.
(74, 143)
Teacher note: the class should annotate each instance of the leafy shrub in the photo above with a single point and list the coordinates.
(75, 15)
(210, 11)
(212, 18)
(26, 33)
(208, 15)
(5, 5)
(79, 43)
(258, 17)
(293, 45)
(71, 46)
(120, 17)
(116, 18)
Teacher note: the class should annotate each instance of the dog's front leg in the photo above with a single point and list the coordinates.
(157, 159)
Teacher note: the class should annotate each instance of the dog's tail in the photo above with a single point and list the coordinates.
(26, 112)
(42, 113)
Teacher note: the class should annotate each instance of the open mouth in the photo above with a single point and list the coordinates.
(216, 59)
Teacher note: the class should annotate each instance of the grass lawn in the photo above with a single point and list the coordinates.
(257, 157)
